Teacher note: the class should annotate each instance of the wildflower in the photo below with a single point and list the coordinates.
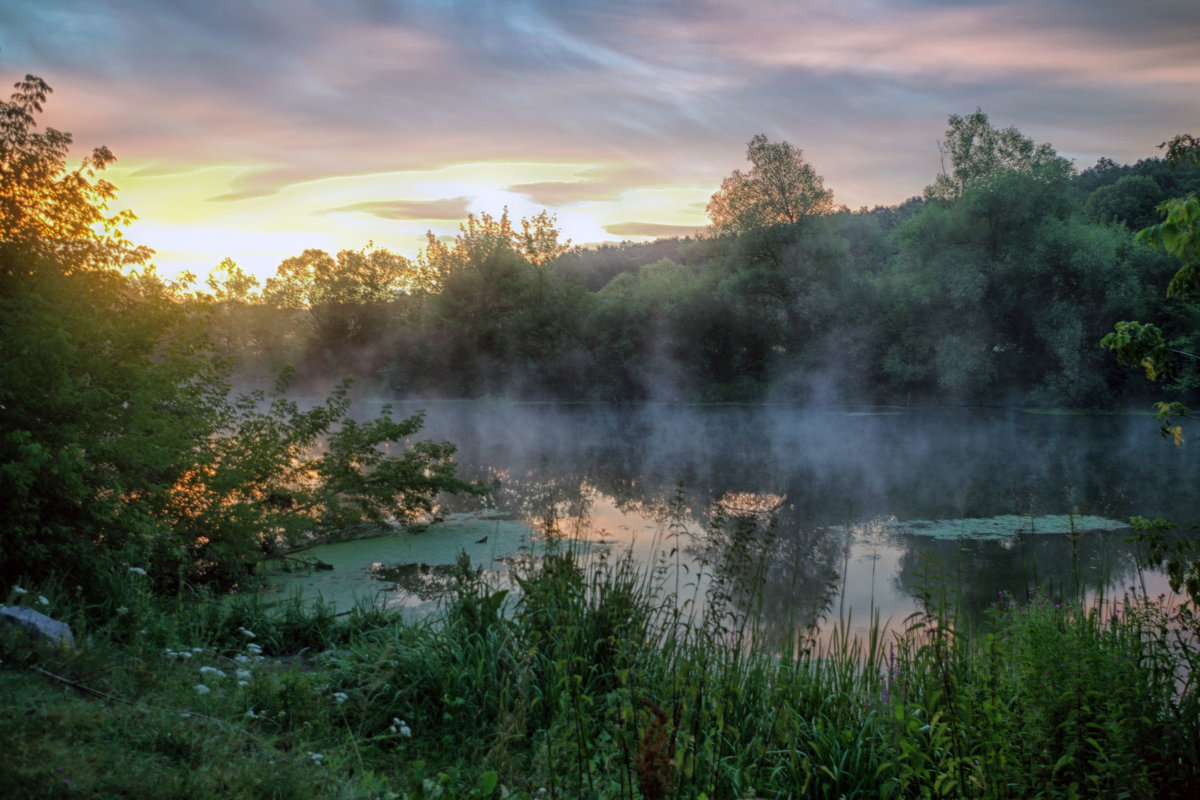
(18, 590)
(249, 634)
(122, 610)
(316, 757)
(211, 671)
(137, 571)
(202, 689)
(243, 673)
(42, 599)
(197, 649)
(341, 697)
(243, 683)
(241, 659)
(405, 731)
(256, 649)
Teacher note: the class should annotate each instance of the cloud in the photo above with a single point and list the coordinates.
(652, 230)
(451, 208)
(310, 98)
(562, 193)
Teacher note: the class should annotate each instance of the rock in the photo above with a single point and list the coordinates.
(38, 626)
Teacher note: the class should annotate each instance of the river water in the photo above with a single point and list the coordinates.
(855, 512)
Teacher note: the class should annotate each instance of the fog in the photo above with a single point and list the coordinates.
(835, 467)
(845, 489)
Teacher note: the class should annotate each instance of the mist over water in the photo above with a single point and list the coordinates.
(840, 482)
(835, 467)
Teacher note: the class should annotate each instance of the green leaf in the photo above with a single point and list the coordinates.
(487, 783)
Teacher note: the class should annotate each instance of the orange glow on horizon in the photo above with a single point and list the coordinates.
(192, 219)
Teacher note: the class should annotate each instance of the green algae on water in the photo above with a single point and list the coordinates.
(1003, 526)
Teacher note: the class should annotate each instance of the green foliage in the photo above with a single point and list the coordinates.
(598, 681)
(1145, 345)
(120, 445)
(276, 475)
(1179, 235)
(1001, 291)
(978, 153)
(1130, 201)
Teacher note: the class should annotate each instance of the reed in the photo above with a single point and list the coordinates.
(598, 678)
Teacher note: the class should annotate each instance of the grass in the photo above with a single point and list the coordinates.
(599, 679)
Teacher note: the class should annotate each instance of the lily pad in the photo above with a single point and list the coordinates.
(1002, 527)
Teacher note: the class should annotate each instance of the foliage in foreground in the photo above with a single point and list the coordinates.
(120, 441)
(597, 682)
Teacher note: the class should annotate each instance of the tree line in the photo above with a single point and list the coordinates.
(994, 286)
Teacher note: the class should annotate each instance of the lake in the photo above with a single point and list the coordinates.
(869, 508)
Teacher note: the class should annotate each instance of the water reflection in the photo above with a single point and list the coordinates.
(813, 491)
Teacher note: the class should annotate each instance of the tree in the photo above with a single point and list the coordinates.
(780, 189)
(345, 304)
(979, 152)
(1144, 345)
(315, 280)
(47, 211)
(482, 237)
(228, 282)
(1178, 234)
(120, 444)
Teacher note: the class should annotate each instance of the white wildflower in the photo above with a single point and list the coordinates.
(405, 731)
(122, 610)
(243, 683)
(341, 697)
(254, 648)
(184, 654)
(202, 689)
(241, 659)
(42, 599)
(316, 757)
(197, 649)
(211, 671)
(18, 590)
(249, 634)
(243, 673)
(137, 571)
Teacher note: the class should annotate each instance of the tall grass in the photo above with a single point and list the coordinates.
(599, 678)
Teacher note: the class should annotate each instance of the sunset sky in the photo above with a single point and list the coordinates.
(256, 129)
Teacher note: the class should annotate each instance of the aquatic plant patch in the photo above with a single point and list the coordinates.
(998, 527)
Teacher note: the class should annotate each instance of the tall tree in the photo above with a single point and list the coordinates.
(46, 210)
(978, 152)
(781, 188)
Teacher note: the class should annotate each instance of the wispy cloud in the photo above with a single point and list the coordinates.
(453, 208)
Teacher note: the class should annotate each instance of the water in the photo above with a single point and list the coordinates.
(882, 506)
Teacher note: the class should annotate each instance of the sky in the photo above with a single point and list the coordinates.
(255, 129)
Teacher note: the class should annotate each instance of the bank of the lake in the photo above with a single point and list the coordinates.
(591, 687)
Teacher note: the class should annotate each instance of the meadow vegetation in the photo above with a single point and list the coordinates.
(599, 679)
